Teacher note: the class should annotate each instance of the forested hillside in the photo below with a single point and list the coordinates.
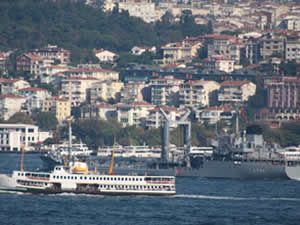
(80, 28)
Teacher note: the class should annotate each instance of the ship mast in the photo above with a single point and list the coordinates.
(22, 159)
(69, 120)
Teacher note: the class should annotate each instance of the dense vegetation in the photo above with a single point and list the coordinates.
(29, 24)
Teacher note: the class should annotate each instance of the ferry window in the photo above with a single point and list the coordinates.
(100, 178)
(53, 177)
(18, 174)
(65, 177)
(75, 178)
(68, 177)
(126, 178)
(115, 178)
(90, 178)
(61, 177)
(118, 178)
(104, 178)
(133, 179)
(122, 178)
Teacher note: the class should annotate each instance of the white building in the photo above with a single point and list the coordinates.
(106, 90)
(15, 136)
(155, 118)
(214, 114)
(10, 104)
(134, 114)
(77, 89)
(198, 93)
(105, 56)
(165, 91)
(233, 91)
(292, 50)
(11, 86)
(100, 74)
(144, 9)
(135, 92)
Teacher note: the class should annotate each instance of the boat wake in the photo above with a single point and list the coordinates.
(232, 198)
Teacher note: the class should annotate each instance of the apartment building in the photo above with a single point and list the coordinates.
(11, 86)
(135, 91)
(292, 50)
(284, 98)
(165, 91)
(100, 74)
(101, 111)
(214, 114)
(155, 118)
(144, 9)
(54, 53)
(224, 45)
(272, 45)
(106, 90)
(180, 51)
(10, 104)
(235, 91)
(198, 93)
(134, 114)
(77, 89)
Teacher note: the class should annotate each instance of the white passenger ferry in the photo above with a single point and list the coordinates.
(77, 179)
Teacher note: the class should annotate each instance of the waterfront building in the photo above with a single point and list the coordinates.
(15, 136)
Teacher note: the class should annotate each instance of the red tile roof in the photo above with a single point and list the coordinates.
(88, 70)
(33, 89)
(81, 78)
(10, 96)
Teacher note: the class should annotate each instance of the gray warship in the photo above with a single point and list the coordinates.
(242, 155)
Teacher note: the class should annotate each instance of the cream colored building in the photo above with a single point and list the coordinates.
(198, 93)
(77, 89)
(165, 91)
(155, 118)
(100, 74)
(134, 92)
(144, 9)
(134, 114)
(101, 111)
(105, 56)
(10, 104)
(105, 90)
(179, 51)
(11, 86)
(234, 91)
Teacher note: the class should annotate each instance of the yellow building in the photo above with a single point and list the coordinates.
(59, 106)
(62, 109)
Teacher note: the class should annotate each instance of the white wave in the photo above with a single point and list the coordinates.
(214, 197)
(75, 195)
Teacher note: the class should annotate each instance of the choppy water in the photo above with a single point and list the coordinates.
(198, 201)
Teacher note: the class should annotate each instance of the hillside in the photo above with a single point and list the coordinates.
(31, 23)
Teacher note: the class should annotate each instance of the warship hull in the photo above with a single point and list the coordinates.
(293, 172)
(213, 169)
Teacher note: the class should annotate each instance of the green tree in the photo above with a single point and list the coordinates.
(46, 120)
(20, 117)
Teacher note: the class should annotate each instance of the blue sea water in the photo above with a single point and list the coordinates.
(198, 201)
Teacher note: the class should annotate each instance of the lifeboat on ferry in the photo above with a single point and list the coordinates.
(80, 167)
